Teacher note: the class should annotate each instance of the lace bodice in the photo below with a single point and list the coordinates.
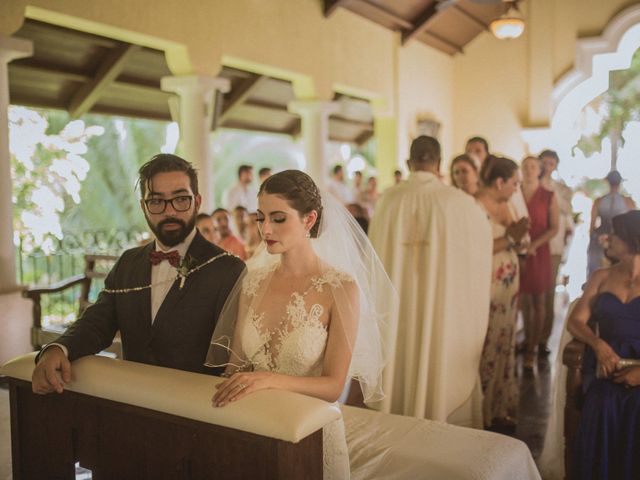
(286, 330)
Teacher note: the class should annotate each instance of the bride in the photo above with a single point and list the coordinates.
(310, 312)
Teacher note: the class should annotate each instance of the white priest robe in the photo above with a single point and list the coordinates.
(436, 245)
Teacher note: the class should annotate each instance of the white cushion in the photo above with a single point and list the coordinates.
(272, 413)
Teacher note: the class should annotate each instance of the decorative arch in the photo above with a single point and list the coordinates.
(595, 58)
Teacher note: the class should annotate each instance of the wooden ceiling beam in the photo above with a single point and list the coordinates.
(17, 98)
(237, 97)
(27, 101)
(274, 107)
(125, 112)
(401, 23)
(357, 123)
(421, 22)
(454, 46)
(331, 6)
(89, 94)
(252, 127)
(295, 126)
(42, 71)
(363, 137)
(471, 17)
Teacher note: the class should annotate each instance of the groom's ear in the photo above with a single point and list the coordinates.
(197, 202)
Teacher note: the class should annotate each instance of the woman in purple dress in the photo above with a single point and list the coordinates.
(608, 436)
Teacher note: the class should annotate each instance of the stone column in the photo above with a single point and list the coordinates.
(197, 95)
(315, 134)
(11, 48)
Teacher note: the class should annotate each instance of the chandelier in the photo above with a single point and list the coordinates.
(510, 24)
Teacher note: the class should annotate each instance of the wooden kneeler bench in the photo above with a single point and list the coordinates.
(126, 420)
(572, 358)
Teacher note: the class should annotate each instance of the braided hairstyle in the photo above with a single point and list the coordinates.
(299, 190)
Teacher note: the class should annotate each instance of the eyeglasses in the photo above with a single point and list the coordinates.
(159, 205)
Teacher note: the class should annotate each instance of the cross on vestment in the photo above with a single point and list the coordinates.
(415, 243)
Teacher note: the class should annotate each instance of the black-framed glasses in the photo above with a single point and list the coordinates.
(181, 203)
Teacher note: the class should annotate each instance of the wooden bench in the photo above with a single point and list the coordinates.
(572, 358)
(96, 267)
(124, 419)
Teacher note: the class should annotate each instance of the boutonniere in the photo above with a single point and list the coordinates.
(184, 268)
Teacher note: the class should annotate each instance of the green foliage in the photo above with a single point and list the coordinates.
(108, 199)
(622, 102)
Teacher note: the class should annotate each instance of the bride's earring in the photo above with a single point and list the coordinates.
(308, 235)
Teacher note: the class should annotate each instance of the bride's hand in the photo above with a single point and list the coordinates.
(240, 385)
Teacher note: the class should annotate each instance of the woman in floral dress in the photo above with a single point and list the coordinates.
(500, 180)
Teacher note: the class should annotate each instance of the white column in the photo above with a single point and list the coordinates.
(11, 48)
(315, 133)
(197, 103)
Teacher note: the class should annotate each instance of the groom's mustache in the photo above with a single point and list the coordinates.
(172, 221)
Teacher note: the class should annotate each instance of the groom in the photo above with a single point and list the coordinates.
(162, 320)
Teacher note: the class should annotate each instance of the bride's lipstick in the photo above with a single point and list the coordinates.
(271, 242)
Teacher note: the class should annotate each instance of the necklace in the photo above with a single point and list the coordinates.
(182, 274)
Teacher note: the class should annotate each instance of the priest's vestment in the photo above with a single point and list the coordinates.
(436, 245)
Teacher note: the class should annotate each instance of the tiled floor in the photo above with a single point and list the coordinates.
(536, 389)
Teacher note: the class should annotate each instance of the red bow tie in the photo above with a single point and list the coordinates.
(173, 257)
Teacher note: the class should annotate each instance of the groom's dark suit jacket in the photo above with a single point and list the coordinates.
(180, 335)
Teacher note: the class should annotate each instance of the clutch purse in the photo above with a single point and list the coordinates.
(622, 364)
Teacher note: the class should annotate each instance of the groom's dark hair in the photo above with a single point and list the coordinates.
(166, 162)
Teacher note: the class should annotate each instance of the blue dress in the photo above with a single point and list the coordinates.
(608, 436)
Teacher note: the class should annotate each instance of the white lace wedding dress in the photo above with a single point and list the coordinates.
(285, 330)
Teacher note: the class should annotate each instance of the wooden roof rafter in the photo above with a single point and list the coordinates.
(421, 22)
(447, 25)
(84, 73)
(238, 96)
(112, 66)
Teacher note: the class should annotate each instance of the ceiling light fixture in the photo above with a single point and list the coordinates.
(510, 24)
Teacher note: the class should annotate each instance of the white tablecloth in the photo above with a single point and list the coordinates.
(383, 446)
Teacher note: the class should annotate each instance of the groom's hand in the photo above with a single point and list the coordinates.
(52, 372)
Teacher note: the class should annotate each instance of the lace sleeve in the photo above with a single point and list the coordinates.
(225, 349)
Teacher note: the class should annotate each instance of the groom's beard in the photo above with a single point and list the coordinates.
(171, 238)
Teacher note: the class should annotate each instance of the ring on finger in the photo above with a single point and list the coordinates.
(241, 386)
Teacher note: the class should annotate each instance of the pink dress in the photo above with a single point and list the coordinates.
(535, 277)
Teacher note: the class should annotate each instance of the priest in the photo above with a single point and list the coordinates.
(436, 246)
